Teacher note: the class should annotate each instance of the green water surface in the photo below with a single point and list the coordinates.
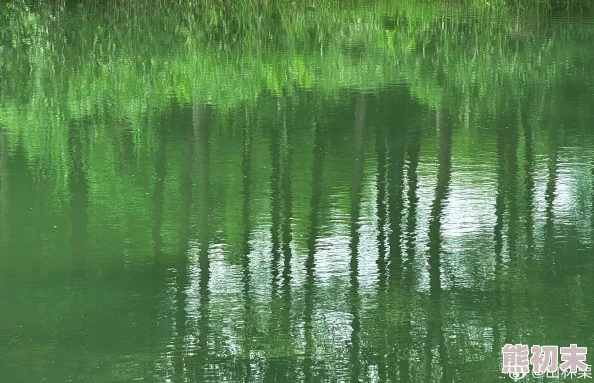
(267, 192)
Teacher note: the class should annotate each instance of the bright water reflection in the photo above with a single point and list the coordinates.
(394, 203)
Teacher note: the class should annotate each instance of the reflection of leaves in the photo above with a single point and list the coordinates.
(77, 72)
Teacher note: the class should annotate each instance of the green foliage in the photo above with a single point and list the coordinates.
(113, 76)
(119, 66)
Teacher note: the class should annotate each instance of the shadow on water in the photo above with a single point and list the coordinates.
(511, 158)
(186, 134)
(409, 280)
(529, 183)
(509, 135)
(4, 187)
(435, 332)
(158, 194)
(276, 197)
(275, 369)
(246, 172)
(550, 262)
(24, 196)
(158, 269)
(498, 239)
(286, 144)
(396, 136)
(280, 148)
(79, 192)
(356, 190)
(319, 151)
(382, 164)
(201, 130)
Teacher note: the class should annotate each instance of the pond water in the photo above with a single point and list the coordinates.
(377, 194)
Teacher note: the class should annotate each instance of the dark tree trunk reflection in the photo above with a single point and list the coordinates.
(281, 243)
(396, 139)
(246, 247)
(529, 173)
(434, 316)
(4, 186)
(202, 165)
(79, 192)
(406, 337)
(286, 223)
(158, 191)
(275, 195)
(381, 243)
(318, 162)
(182, 281)
(500, 207)
(356, 189)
